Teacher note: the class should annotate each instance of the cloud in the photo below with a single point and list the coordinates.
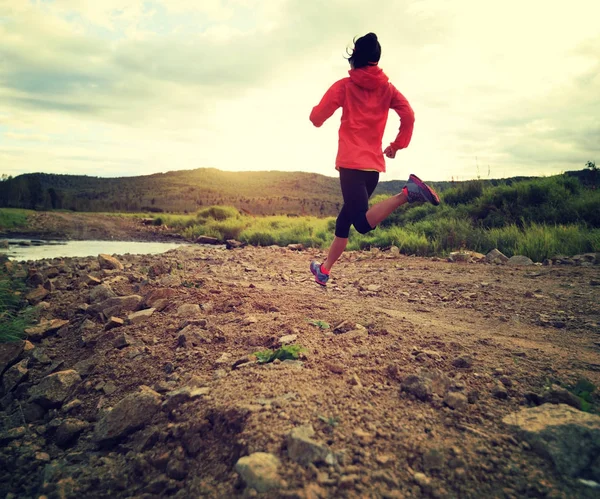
(153, 85)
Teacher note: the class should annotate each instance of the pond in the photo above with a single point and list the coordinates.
(20, 249)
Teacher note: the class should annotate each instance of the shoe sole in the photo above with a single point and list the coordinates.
(429, 193)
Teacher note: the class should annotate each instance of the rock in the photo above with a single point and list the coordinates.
(459, 256)
(189, 310)
(559, 395)
(170, 281)
(422, 480)
(157, 295)
(116, 305)
(295, 247)
(123, 340)
(499, 392)
(68, 431)
(141, 316)
(14, 375)
(130, 414)
(419, 386)
(463, 362)
(9, 353)
(37, 295)
(109, 262)
(570, 438)
(456, 400)
(43, 329)
(184, 394)
(303, 449)
(114, 322)
(519, 261)
(496, 256)
(90, 280)
(100, 293)
(192, 336)
(207, 240)
(52, 390)
(12, 434)
(260, 471)
(233, 244)
(35, 279)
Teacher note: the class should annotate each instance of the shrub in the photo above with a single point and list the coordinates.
(218, 213)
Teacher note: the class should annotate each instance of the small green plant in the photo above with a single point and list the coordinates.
(331, 421)
(584, 389)
(288, 352)
(320, 324)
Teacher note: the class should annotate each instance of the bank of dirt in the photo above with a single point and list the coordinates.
(499, 336)
(89, 226)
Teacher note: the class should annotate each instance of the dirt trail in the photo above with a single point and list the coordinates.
(519, 329)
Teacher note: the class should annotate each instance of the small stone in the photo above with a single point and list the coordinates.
(456, 400)
(109, 262)
(303, 449)
(519, 261)
(123, 340)
(131, 413)
(141, 316)
(422, 480)
(9, 353)
(189, 310)
(559, 395)
(113, 323)
(419, 386)
(260, 471)
(14, 375)
(46, 328)
(463, 362)
(68, 431)
(55, 388)
(500, 392)
(184, 394)
(37, 295)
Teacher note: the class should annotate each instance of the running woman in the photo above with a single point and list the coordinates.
(366, 97)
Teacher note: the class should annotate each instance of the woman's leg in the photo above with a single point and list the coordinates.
(335, 251)
(380, 211)
(355, 191)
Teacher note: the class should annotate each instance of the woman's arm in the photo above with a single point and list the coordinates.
(333, 98)
(407, 120)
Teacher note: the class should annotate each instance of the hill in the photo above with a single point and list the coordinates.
(257, 193)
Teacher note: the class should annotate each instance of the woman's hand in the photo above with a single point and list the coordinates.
(390, 152)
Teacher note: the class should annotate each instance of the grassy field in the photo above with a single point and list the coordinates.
(538, 218)
(13, 218)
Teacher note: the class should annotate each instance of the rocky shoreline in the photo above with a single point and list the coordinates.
(418, 378)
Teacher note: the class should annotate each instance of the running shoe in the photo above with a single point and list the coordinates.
(320, 277)
(417, 191)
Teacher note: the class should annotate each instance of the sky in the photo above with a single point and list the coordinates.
(133, 87)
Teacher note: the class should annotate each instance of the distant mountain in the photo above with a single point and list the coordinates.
(257, 193)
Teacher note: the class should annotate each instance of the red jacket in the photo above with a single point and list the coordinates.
(365, 98)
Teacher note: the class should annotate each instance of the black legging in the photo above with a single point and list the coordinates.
(357, 187)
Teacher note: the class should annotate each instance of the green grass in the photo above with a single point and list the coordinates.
(13, 319)
(539, 218)
(288, 352)
(12, 218)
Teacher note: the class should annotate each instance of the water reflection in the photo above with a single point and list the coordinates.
(66, 249)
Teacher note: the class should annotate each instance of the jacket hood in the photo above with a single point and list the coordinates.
(369, 77)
